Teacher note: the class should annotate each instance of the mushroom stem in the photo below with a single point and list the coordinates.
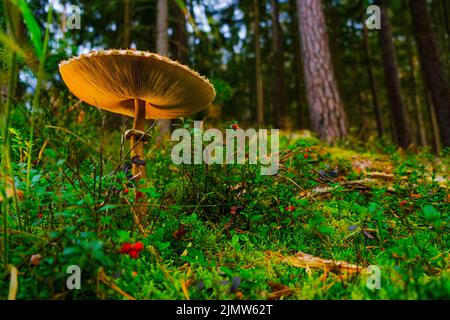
(137, 144)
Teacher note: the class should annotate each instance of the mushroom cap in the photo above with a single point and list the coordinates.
(112, 79)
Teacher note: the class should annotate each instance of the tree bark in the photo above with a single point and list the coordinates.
(162, 47)
(396, 104)
(279, 87)
(417, 110)
(432, 67)
(373, 87)
(126, 41)
(299, 88)
(258, 76)
(326, 109)
(180, 36)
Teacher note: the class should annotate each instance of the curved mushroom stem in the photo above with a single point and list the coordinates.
(137, 153)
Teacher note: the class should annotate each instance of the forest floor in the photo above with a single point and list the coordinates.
(333, 222)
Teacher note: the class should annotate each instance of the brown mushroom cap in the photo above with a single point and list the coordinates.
(112, 79)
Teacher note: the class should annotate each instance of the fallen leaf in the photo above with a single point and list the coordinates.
(368, 235)
(279, 290)
(178, 234)
(13, 283)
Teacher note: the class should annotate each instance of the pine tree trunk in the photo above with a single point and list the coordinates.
(162, 47)
(301, 120)
(432, 67)
(326, 110)
(180, 36)
(396, 104)
(279, 88)
(126, 41)
(434, 123)
(417, 110)
(258, 76)
(373, 87)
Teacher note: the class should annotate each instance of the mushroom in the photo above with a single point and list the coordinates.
(138, 84)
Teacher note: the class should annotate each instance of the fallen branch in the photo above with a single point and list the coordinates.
(380, 175)
(349, 185)
(307, 261)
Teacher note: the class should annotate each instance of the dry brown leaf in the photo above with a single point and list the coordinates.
(279, 290)
(184, 287)
(106, 280)
(13, 284)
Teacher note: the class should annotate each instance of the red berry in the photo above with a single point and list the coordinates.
(40, 215)
(290, 208)
(305, 156)
(134, 254)
(138, 246)
(126, 190)
(235, 126)
(126, 248)
(139, 195)
(403, 203)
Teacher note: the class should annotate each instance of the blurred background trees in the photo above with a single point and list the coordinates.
(289, 64)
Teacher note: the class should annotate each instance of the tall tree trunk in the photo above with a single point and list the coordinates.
(162, 47)
(301, 121)
(434, 125)
(396, 104)
(126, 41)
(279, 88)
(180, 36)
(326, 109)
(432, 67)
(373, 87)
(258, 76)
(418, 111)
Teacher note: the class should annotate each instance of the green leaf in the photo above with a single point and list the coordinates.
(257, 217)
(430, 213)
(108, 207)
(32, 25)
(123, 235)
(162, 245)
(72, 251)
(235, 240)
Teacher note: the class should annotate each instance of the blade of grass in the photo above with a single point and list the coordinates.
(6, 160)
(36, 97)
(182, 6)
(35, 105)
(11, 44)
(5, 221)
(75, 135)
(32, 25)
(7, 167)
